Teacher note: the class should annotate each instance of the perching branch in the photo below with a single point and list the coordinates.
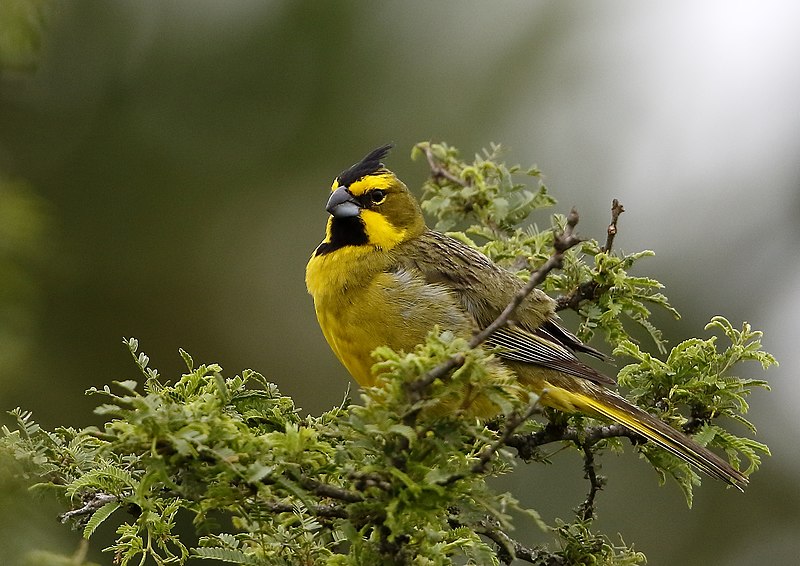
(508, 549)
(585, 439)
(526, 444)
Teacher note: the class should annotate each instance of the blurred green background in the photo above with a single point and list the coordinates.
(164, 168)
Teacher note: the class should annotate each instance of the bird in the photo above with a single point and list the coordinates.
(381, 277)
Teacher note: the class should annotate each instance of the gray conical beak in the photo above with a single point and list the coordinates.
(342, 204)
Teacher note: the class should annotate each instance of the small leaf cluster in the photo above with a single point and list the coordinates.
(482, 193)
(582, 546)
(693, 388)
(605, 293)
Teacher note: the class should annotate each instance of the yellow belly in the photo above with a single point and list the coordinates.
(354, 332)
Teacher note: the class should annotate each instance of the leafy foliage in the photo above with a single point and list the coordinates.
(482, 197)
(483, 191)
(400, 477)
(289, 487)
(693, 387)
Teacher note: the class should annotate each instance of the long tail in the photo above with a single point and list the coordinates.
(606, 403)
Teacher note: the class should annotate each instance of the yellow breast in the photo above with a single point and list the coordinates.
(361, 305)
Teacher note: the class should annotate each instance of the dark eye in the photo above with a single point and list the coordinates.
(377, 196)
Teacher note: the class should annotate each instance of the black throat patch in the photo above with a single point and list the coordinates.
(348, 231)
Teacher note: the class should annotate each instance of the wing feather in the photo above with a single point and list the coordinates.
(538, 347)
(484, 289)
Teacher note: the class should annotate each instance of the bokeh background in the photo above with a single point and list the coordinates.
(164, 168)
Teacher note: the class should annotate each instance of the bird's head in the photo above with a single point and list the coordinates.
(370, 206)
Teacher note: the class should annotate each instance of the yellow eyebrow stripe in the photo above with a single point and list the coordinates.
(381, 180)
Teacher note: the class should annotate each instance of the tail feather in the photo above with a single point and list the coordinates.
(607, 404)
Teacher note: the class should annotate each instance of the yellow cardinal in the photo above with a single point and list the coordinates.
(382, 278)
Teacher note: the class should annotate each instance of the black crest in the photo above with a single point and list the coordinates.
(368, 165)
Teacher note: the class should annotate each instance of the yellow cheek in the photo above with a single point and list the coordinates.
(381, 232)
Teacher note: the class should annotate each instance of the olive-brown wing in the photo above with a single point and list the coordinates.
(484, 289)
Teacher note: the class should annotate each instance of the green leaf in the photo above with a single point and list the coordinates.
(99, 516)
(187, 359)
(106, 477)
(230, 555)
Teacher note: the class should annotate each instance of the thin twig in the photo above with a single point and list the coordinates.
(616, 210)
(437, 170)
(561, 244)
(91, 503)
(418, 386)
(510, 549)
(596, 483)
(589, 290)
(513, 422)
(331, 491)
(586, 291)
(331, 511)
